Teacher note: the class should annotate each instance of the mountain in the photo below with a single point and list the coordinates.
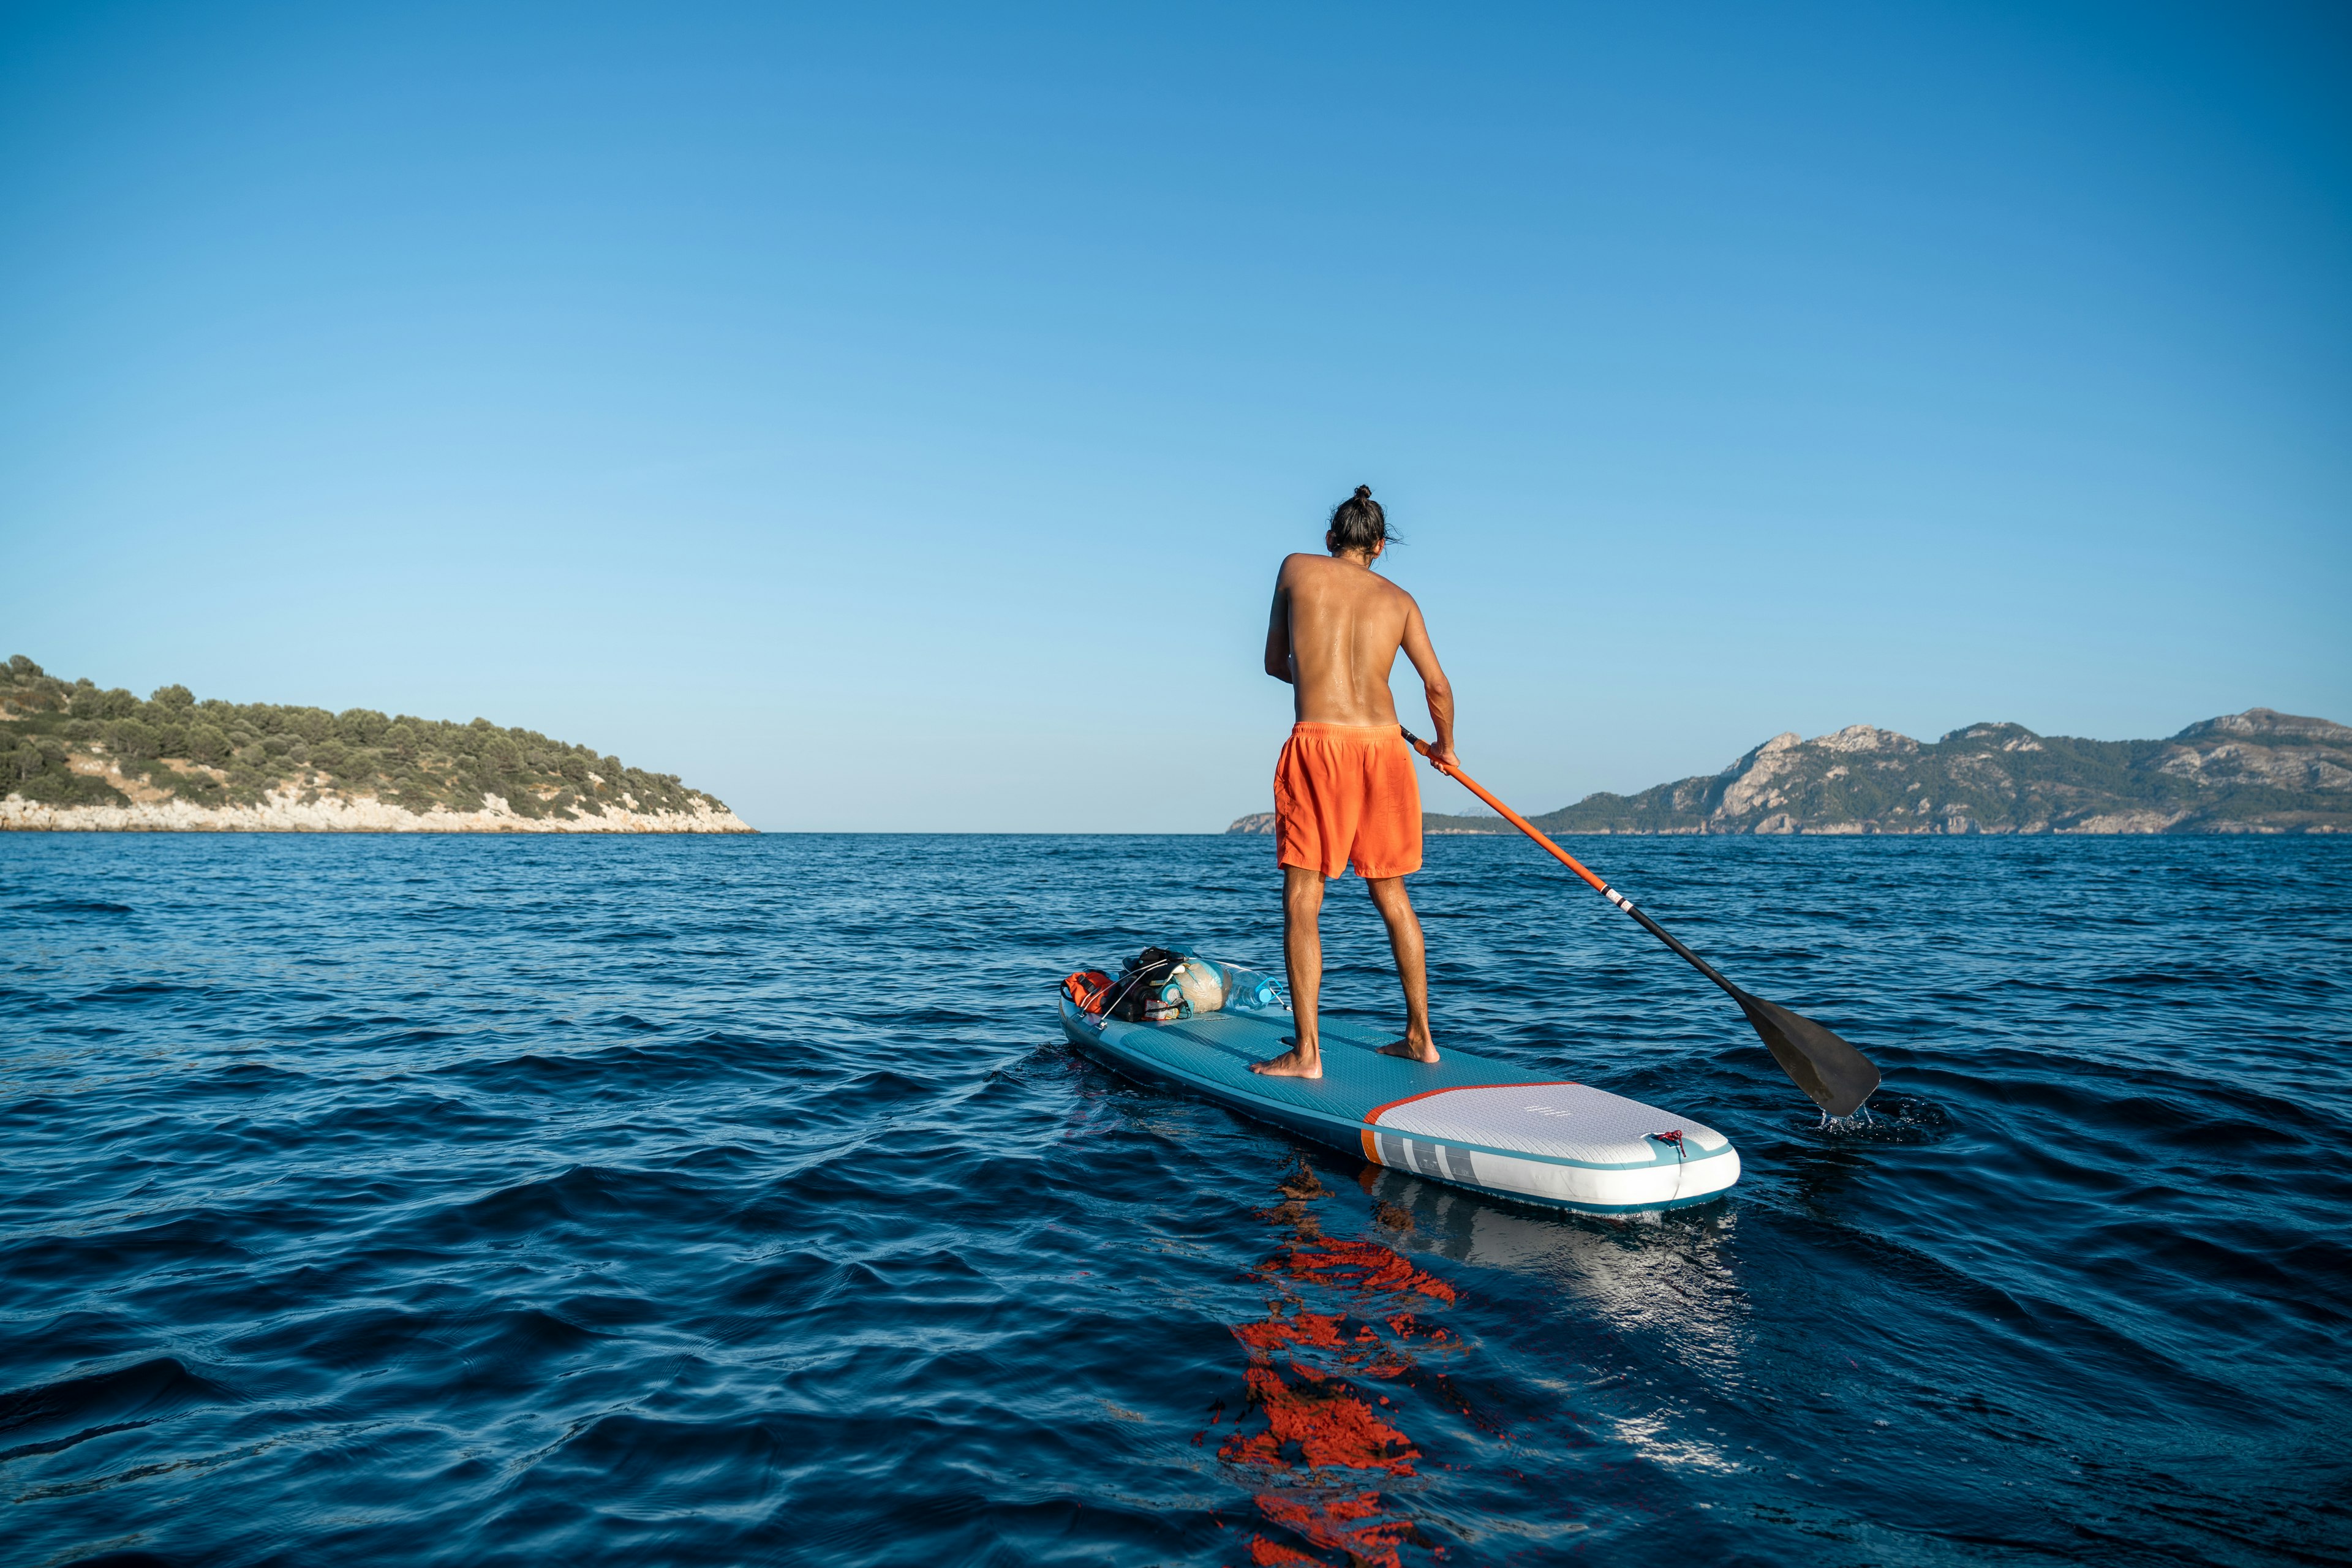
(2256, 771)
(72, 756)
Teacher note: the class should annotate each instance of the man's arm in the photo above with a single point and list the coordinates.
(1277, 630)
(1433, 682)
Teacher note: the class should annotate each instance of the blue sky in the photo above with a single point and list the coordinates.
(891, 417)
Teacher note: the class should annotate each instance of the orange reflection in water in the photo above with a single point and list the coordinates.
(1340, 1310)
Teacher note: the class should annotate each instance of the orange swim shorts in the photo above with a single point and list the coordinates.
(1345, 794)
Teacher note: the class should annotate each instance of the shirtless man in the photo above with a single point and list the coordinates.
(1344, 791)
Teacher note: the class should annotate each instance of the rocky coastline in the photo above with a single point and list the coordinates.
(288, 811)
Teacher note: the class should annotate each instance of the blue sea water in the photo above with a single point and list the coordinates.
(464, 1200)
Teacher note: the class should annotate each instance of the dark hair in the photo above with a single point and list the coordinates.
(1357, 522)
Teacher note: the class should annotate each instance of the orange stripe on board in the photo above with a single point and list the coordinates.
(1371, 1147)
(1381, 1111)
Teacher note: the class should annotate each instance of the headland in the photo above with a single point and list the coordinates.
(75, 758)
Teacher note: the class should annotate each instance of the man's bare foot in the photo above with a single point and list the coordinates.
(1299, 1061)
(1421, 1051)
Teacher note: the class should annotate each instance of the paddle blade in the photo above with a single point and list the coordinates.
(1838, 1077)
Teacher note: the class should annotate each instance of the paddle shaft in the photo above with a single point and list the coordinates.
(1573, 863)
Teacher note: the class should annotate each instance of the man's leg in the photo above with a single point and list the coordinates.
(1412, 968)
(1302, 954)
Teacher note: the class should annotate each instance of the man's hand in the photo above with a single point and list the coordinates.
(1440, 754)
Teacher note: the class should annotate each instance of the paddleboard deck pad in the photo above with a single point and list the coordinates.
(1466, 1120)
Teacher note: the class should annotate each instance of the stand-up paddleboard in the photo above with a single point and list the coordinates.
(1466, 1120)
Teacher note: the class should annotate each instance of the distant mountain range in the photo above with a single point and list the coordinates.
(2256, 771)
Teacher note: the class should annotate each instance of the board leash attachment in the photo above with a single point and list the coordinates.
(1835, 1075)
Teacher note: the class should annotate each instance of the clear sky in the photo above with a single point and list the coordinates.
(891, 416)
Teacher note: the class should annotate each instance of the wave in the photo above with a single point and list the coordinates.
(373, 1215)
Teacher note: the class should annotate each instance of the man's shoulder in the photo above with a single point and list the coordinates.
(1299, 567)
(1394, 591)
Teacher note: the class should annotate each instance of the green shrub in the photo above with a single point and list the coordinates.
(362, 726)
(55, 788)
(130, 738)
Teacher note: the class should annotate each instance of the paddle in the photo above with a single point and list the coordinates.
(1838, 1077)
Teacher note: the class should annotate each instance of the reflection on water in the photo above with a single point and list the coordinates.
(1659, 1273)
(1342, 1317)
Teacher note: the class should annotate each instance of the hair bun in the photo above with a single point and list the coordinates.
(1358, 523)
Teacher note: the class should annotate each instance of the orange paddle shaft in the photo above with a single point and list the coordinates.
(1573, 863)
(1516, 820)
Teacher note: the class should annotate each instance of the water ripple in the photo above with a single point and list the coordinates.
(415, 1201)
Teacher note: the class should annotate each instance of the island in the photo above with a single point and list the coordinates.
(2255, 771)
(74, 757)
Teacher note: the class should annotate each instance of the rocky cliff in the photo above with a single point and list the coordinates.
(2256, 771)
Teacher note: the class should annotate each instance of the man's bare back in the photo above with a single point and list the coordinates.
(1335, 630)
(1334, 635)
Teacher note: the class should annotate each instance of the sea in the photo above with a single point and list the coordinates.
(473, 1200)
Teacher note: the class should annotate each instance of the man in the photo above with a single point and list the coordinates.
(1344, 791)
